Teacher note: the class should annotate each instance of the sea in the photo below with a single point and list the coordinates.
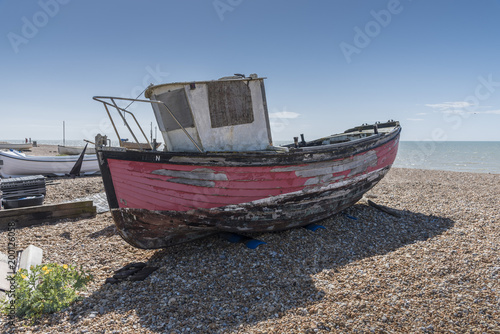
(457, 156)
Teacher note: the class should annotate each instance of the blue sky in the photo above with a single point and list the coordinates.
(331, 65)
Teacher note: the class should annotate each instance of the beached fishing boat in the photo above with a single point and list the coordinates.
(221, 173)
(74, 150)
(12, 146)
(14, 164)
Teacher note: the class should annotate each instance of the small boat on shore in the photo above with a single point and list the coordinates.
(219, 171)
(15, 164)
(18, 147)
(74, 150)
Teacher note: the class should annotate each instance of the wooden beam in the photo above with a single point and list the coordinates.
(385, 209)
(35, 215)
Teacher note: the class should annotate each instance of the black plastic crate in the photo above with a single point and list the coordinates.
(22, 186)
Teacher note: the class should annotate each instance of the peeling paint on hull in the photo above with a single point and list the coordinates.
(158, 200)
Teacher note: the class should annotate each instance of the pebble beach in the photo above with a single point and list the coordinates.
(433, 269)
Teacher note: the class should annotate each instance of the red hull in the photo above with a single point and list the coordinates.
(169, 187)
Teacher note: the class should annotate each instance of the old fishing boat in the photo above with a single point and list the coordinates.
(15, 164)
(74, 150)
(11, 146)
(220, 172)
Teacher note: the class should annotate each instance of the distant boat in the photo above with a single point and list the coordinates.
(74, 150)
(14, 164)
(19, 147)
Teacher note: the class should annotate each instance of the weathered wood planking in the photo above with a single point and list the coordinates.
(157, 229)
(159, 199)
(35, 215)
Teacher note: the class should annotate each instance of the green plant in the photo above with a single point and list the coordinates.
(47, 288)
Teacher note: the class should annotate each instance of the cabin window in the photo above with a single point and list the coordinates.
(177, 102)
(230, 103)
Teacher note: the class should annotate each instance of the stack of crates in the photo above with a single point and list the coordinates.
(20, 187)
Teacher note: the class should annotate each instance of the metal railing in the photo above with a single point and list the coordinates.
(112, 103)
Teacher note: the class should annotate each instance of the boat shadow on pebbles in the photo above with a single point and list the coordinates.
(221, 286)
